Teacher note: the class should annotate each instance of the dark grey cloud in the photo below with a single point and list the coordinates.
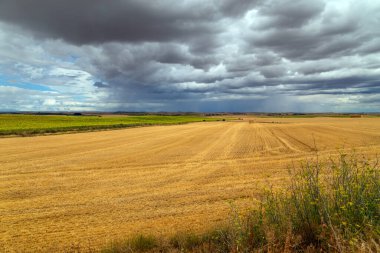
(100, 85)
(237, 8)
(301, 44)
(374, 99)
(97, 21)
(195, 55)
(290, 13)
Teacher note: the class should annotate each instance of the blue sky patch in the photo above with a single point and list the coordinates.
(5, 81)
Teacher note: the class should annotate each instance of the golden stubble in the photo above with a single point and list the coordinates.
(92, 188)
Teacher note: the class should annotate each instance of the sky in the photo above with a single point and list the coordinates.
(191, 55)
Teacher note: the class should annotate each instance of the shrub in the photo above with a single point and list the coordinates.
(329, 207)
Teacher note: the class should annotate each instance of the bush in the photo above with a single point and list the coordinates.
(332, 207)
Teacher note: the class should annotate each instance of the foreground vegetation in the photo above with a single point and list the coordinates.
(328, 207)
(19, 124)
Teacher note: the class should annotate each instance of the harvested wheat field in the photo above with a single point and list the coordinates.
(91, 188)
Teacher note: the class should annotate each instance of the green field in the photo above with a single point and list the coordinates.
(26, 124)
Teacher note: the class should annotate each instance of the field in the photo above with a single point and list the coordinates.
(15, 124)
(91, 188)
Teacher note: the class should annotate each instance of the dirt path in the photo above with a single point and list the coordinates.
(90, 188)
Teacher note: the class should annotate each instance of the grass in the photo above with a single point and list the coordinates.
(327, 207)
(139, 243)
(25, 125)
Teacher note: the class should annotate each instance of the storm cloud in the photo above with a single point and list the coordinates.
(276, 55)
